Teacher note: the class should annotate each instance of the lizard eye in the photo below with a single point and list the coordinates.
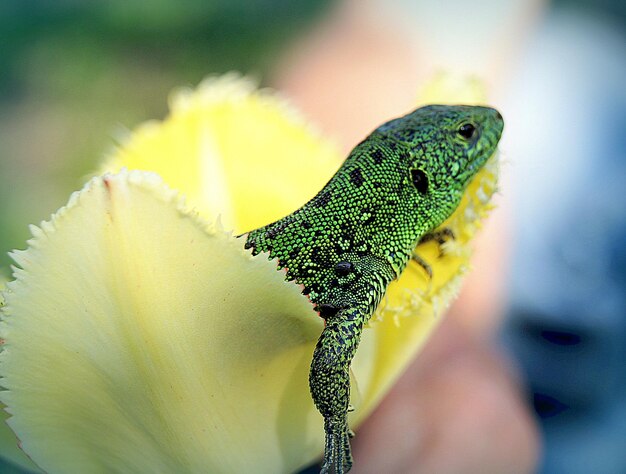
(466, 130)
(420, 180)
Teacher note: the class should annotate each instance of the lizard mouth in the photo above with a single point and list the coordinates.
(487, 145)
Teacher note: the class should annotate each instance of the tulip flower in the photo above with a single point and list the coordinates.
(139, 336)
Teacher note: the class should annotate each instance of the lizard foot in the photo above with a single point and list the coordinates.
(440, 236)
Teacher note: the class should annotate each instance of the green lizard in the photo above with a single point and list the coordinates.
(359, 232)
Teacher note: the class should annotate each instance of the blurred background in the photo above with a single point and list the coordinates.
(547, 298)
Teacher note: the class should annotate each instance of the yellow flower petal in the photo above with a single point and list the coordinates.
(234, 151)
(446, 88)
(140, 340)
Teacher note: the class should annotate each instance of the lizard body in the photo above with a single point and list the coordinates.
(358, 233)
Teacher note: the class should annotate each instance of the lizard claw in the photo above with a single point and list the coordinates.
(424, 264)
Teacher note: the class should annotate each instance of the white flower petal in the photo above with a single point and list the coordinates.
(139, 340)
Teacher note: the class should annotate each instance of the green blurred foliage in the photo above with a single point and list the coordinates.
(75, 74)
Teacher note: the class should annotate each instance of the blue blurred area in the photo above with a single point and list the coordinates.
(567, 316)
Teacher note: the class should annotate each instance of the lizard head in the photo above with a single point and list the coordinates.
(445, 146)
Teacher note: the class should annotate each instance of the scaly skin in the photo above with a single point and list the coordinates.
(359, 232)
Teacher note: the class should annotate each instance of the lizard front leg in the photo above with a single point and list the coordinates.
(441, 237)
(329, 380)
